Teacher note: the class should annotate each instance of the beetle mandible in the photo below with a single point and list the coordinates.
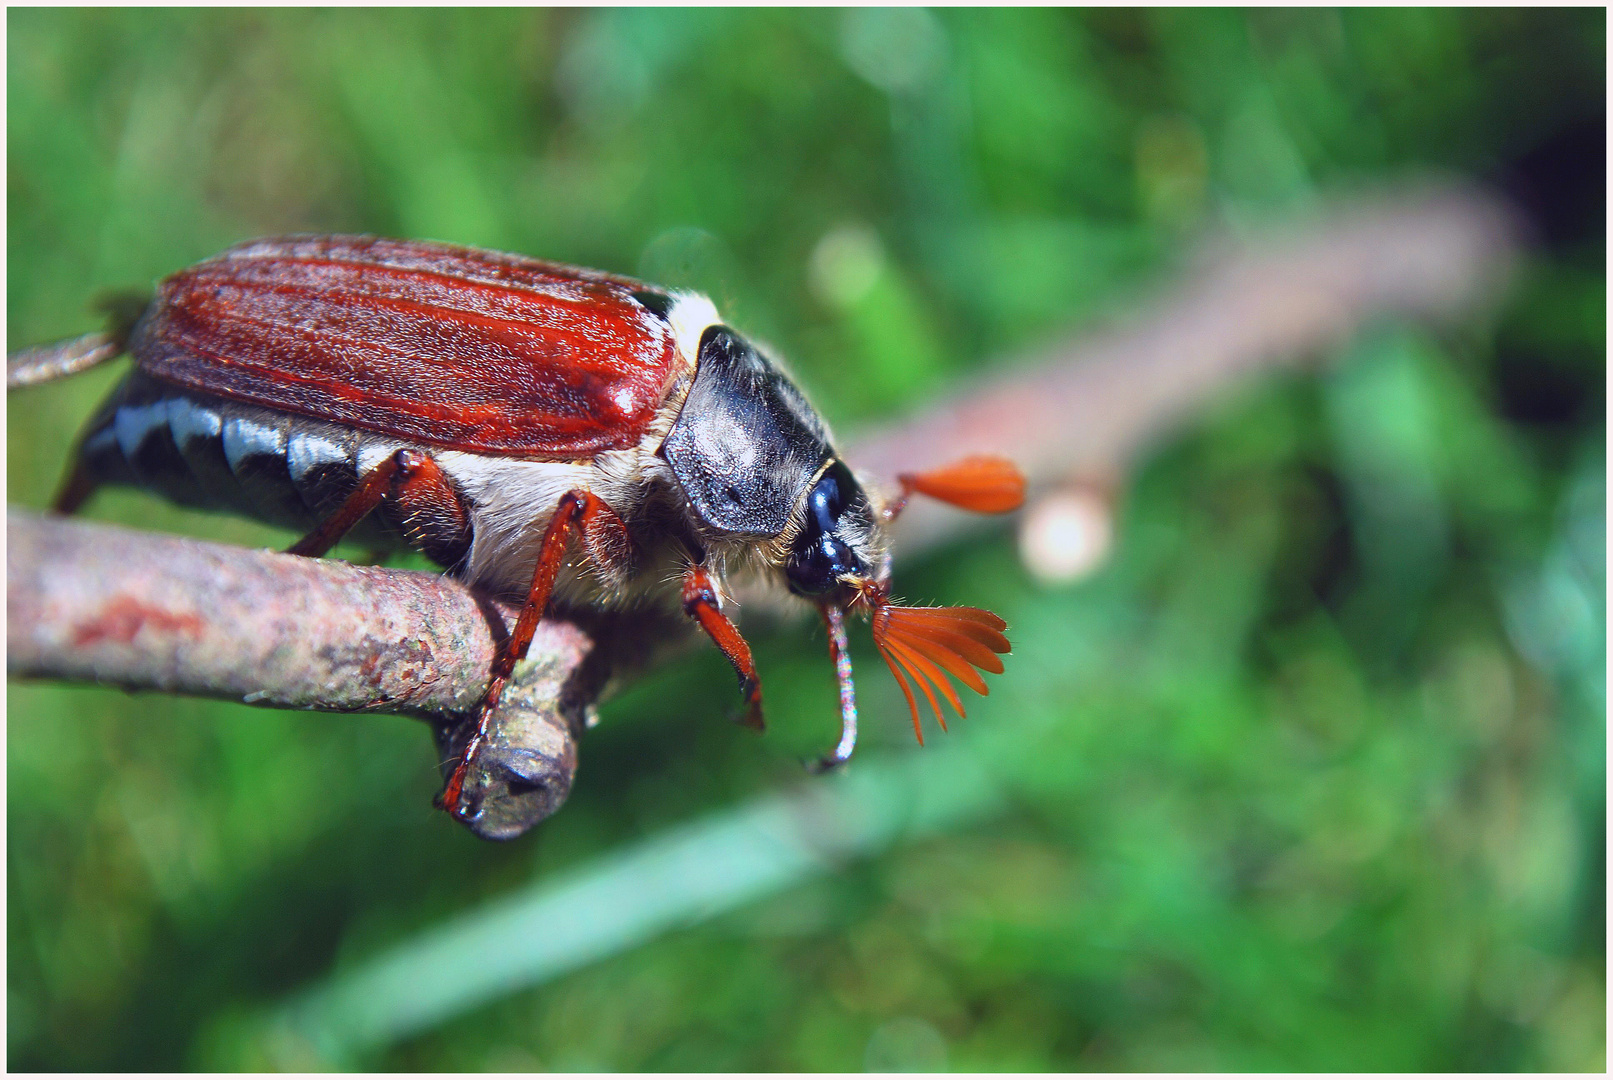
(489, 410)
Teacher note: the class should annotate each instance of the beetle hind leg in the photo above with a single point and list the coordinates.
(408, 476)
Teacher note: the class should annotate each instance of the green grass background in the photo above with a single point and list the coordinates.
(1310, 776)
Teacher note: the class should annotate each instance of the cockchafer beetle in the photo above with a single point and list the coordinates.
(486, 409)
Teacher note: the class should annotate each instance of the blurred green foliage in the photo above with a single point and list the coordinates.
(1311, 776)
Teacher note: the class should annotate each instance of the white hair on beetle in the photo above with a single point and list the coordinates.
(690, 314)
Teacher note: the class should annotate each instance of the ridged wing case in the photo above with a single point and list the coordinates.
(447, 346)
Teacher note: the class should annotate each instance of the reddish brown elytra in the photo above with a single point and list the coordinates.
(490, 410)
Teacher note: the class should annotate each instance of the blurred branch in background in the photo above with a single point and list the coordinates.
(253, 625)
(89, 602)
(1084, 408)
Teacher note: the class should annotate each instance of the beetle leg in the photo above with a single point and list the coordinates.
(700, 603)
(577, 510)
(377, 484)
(839, 651)
(408, 477)
(983, 484)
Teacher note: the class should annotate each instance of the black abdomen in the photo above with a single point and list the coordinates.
(216, 454)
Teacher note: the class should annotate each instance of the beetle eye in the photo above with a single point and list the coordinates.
(814, 568)
(821, 553)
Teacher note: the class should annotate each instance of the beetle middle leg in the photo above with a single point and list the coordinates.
(605, 536)
(700, 603)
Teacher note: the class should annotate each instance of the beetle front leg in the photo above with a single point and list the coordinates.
(577, 511)
(834, 621)
(701, 603)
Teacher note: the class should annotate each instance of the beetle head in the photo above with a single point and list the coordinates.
(839, 557)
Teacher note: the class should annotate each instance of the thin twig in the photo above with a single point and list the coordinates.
(47, 363)
(101, 603)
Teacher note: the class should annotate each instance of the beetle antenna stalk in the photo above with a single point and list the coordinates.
(834, 619)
